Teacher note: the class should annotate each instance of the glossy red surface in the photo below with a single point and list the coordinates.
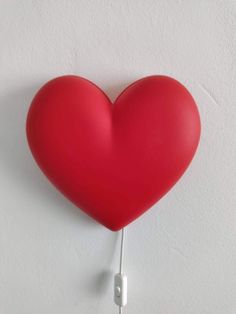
(113, 161)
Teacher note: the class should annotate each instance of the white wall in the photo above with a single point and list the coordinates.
(180, 257)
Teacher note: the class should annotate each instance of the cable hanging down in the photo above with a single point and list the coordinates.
(122, 242)
(120, 280)
(122, 257)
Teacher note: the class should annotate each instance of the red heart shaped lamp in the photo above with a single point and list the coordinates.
(113, 161)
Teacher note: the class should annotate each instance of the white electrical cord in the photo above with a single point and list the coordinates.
(122, 249)
(120, 280)
(121, 258)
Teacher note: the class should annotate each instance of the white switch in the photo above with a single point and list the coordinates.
(120, 289)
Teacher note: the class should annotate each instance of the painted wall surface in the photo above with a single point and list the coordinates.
(180, 257)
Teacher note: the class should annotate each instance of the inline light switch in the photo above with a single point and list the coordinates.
(120, 290)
